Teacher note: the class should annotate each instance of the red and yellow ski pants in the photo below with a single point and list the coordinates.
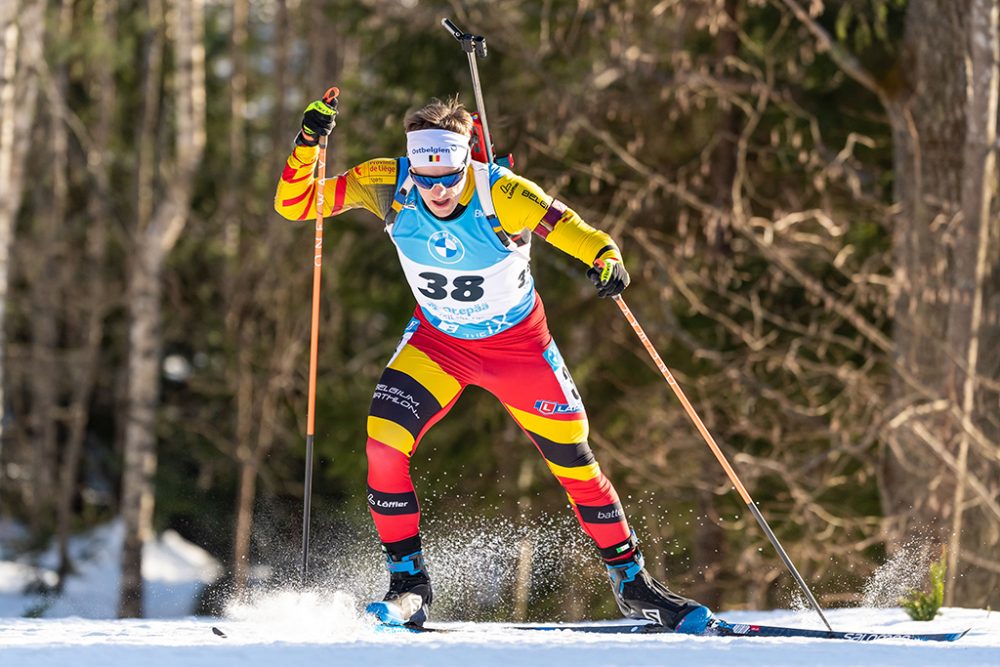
(521, 367)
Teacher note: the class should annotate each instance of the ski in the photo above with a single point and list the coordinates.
(725, 629)
(722, 628)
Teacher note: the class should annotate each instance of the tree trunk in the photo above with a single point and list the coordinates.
(135, 482)
(140, 430)
(247, 489)
(237, 129)
(237, 330)
(279, 115)
(46, 289)
(103, 90)
(243, 532)
(153, 242)
(83, 375)
(727, 132)
(943, 248)
(972, 253)
(21, 38)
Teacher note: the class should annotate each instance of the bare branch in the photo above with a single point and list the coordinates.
(841, 56)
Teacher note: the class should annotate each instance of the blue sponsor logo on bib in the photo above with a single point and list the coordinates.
(445, 247)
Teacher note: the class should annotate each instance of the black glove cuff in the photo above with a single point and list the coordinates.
(302, 140)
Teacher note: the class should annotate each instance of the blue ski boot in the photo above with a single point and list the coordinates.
(409, 598)
(639, 596)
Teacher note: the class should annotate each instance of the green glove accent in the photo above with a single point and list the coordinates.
(607, 270)
(609, 277)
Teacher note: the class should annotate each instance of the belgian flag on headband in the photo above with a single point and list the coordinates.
(434, 158)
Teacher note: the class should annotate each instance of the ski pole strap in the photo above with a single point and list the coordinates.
(481, 173)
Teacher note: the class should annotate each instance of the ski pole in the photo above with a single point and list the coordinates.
(668, 376)
(473, 45)
(328, 97)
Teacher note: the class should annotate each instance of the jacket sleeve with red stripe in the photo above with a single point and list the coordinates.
(370, 185)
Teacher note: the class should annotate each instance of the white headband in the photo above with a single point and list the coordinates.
(437, 148)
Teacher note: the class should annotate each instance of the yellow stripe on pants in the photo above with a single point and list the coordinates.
(391, 434)
(427, 372)
(556, 430)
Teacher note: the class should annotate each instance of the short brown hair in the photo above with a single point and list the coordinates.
(450, 115)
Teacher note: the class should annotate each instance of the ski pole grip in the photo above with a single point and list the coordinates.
(468, 41)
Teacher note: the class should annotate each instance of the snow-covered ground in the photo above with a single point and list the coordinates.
(290, 629)
(293, 631)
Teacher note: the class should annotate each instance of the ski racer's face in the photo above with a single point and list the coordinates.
(440, 199)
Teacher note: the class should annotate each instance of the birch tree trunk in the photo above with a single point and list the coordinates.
(153, 241)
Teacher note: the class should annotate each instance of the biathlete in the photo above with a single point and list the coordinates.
(462, 229)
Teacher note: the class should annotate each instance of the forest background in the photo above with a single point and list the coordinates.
(805, 192)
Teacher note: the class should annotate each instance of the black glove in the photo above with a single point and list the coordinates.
(609, 277)
(318, 120)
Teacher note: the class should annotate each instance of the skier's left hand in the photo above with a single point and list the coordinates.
(609, 277)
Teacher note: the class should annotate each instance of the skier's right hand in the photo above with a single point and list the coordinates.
(609, 277)
(318, 120)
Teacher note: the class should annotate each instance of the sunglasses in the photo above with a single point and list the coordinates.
(447, 180)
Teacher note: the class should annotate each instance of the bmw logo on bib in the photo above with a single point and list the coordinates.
(445, 248)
